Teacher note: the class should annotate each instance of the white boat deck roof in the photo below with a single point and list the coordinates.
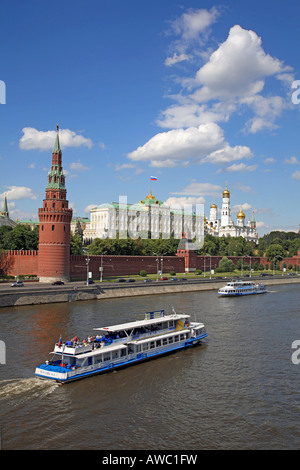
(96, 352)
(155, 337)
(140, 323)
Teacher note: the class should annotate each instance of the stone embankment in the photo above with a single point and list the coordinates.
(33, 295)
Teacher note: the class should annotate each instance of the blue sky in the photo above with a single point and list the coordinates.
(197, 94)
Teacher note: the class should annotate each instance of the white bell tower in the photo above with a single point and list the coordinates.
(226, 213)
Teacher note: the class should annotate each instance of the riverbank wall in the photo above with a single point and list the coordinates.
(47, 295)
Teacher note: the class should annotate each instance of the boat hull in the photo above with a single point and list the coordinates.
(64, 375)
(239, 294)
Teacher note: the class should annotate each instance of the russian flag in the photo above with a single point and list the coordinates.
(153, 178)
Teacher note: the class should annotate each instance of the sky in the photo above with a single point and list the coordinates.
(198, 94)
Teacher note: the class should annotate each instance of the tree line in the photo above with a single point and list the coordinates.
(276, 244)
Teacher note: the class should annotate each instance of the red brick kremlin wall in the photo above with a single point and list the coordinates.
(119, 265)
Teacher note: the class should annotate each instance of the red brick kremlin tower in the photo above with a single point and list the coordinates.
(55, 219)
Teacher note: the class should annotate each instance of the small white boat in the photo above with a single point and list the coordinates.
(121, 345)
(237, 288)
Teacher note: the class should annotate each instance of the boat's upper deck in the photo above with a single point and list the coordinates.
(147, 322)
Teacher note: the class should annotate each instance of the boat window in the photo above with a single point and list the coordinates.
(138, 348)
(171, 339)
(152, 344)
(171, 324)
(145, 346)
(165, 341)
(123, 352)
(182, 337)
(158, 343)
(106, 356)
(176, 338)
(115, 354)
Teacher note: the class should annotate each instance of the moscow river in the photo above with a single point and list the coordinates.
(238, 390)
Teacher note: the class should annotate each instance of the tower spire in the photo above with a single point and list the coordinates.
(57, 144)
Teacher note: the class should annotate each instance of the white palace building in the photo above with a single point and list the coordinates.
(151, 218)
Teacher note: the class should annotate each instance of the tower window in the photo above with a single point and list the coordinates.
(53, 228)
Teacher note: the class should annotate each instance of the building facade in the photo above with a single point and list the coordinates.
(225, 226)
(149, 218)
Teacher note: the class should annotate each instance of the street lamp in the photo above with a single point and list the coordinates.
(101, 268)
(161, 261)
(248, 256)
(87, 260)
(206, 254)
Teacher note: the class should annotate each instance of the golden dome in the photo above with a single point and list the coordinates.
(226, 193)
(214, 206)
(150, 196)
(241, 214)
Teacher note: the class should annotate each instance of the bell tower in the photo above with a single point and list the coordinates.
(55, 221)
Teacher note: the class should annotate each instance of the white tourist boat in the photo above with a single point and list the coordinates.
(237, 288)
(121, 345)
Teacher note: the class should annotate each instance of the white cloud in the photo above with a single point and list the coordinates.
(237, 68)
(228, 154)
(245, 207)
(232, 79)
(88, 208)
(243, 187)
(77, 166)
(269, 160)
(185, 203)
(189, 114)
(242, 167)
(189, 25)
(44, 140)
(296, 175)
(200, 189)
(176, 58)
(179, 145)
(291, 161)
(123, 166)
(15, 193)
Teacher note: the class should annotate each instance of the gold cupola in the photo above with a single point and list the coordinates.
(150, 196)
(241, 214)
(226, 193)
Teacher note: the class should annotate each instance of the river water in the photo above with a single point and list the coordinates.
(239, 390)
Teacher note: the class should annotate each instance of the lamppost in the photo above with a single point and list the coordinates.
(206, 254)
(87, 260)
(248, 256)
(101, 268)
(209, 265)
(157, 260)
(161, 261)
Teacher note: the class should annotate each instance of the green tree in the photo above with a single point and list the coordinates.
(75, 245)
(21, 237)
(275, 251)
(226, 265)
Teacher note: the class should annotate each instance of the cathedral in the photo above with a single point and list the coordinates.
(225, 226)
